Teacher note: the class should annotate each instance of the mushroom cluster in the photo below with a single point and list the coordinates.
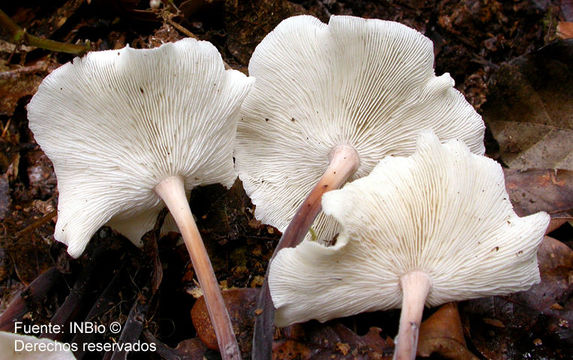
(427, 229)
(421, 223)
(330, 101)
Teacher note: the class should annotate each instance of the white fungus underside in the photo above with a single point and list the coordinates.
(443, 210)
(366, 83)
(115, 123)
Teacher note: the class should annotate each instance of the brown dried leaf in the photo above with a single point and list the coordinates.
(240, 304)
(304, 341)
(530, 109)
(531, 191)
(533, 323)
(290, 349)
(565, 30)
(556, 286)
(333, 341)
(442, 333)
(188, 349)
(191, 349)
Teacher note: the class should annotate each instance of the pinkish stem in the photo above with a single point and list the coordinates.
(172, 191)
(415, 288)
(344, 162)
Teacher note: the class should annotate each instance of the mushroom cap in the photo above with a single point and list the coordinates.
(365, 83)
(45, 349)
(443, 211)
(115, 123)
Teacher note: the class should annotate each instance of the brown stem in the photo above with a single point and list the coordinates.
(172, 191)
(415, 288)
(18, 35)
(344, 162)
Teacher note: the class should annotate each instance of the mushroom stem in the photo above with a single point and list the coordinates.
(343, 163)
(415, 288)
(172, 191)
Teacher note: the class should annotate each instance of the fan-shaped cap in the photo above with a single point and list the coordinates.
(365, 83)
(443, 211)
(24, 347)
(115, 123)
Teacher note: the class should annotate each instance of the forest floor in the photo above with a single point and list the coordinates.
(511, 59)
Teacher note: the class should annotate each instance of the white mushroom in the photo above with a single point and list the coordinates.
(24, 347)
(126, 129)
(353, 88)
(331, 100)
(431, 228)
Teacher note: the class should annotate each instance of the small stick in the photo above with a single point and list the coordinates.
(18, 35)
(36, 224)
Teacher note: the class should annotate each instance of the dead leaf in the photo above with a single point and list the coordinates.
(493, 322)
(557, 221)
(240, 304)
(191, 349)
(442, 333)
(530, 109)
(556, 268)
(565, 30)
(304, 341)
(535, 322)
(331, 341)
(290, 349)
(531, 191)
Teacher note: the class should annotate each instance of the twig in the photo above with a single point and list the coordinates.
(44, 219)
(181, 28)
(17, 35)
